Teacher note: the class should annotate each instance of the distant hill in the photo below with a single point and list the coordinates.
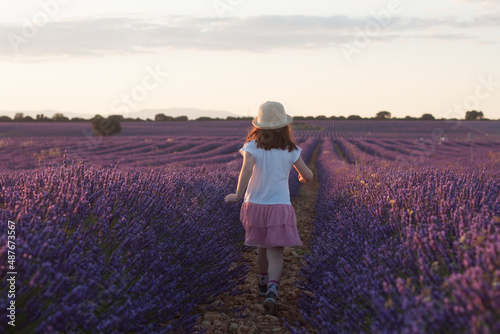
(191, 113)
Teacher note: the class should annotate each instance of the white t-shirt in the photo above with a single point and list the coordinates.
(269, 181)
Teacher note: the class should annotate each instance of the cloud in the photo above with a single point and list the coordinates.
(128, 35)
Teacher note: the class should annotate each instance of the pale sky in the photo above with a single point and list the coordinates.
(348, 57)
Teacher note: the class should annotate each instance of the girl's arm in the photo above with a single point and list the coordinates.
(245, 174)
(305, 174)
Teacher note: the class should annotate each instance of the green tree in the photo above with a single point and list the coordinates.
(60, 118)
(163, 118)
(473, 115)
(427, 117)
(118, 117)
(383, 115)
(103, 127)
(19, 117)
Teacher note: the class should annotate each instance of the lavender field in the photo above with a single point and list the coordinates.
(130, 234)
(161, 145)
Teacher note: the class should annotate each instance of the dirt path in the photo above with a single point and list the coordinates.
(219, 320)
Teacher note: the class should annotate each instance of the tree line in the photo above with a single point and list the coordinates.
(58, 117)
(472, 115)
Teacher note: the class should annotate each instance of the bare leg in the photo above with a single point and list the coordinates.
(262, 260)
(275, 258)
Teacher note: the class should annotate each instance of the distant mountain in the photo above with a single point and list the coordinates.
(191, 113)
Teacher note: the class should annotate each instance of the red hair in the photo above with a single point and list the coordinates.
(268, 139)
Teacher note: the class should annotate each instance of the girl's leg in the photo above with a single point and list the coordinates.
(262, 260)
(263, 276)
(275, 259)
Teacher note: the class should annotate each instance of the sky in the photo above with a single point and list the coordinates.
(321, 57)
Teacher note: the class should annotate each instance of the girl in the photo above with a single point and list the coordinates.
(267, 213)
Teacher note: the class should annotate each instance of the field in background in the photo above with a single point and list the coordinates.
(456, 130)
(169, 144)
(405, 236)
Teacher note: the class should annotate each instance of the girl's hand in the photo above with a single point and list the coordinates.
(231, 198)
(301, 179)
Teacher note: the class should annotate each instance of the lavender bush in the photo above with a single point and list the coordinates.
(104, 250)
(403, 251)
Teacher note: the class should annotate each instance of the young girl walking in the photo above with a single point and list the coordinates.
(267, 213)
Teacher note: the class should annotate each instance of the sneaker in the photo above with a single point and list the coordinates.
(271, 303)
(262, 290)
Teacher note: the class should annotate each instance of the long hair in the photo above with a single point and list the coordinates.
(268, 139)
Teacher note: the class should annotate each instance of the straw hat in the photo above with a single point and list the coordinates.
(271, 115)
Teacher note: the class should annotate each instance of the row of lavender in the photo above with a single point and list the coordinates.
(104, 250)
(419, 152)
(157, 153)
(19, 153)
(403, 251)
(456, 130)
(168, 152)
(451, 129)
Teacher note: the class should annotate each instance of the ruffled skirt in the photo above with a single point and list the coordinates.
(273, 225)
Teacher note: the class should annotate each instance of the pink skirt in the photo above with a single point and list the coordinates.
(267, 226)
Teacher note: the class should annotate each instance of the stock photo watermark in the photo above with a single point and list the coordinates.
(137, 94)
(483, 91)
(224, 6)
(48, 11)
(11, 274)
(152, 79)
(363, 38)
